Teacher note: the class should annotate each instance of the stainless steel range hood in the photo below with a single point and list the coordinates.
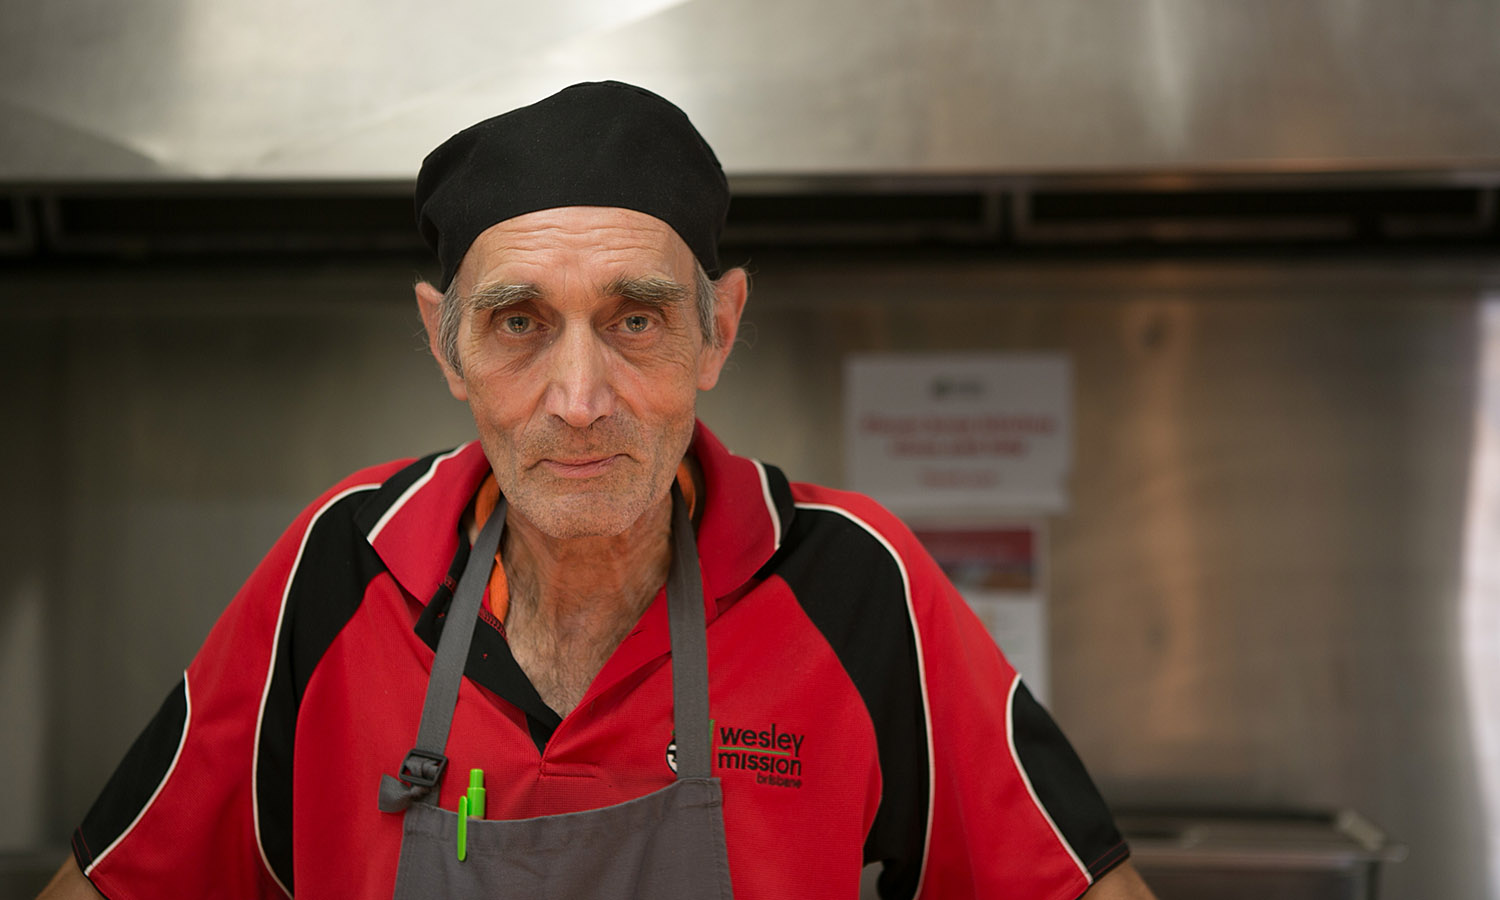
(348, 90)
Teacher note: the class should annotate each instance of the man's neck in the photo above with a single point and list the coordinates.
(567, 578)
(573, 601)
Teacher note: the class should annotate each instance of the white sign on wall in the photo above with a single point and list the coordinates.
(960, 432)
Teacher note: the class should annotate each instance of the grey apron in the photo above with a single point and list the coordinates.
(667, 844)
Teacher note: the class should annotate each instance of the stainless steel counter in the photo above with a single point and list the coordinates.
(1290, 856)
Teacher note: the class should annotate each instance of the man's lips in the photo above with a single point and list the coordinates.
(580, 467)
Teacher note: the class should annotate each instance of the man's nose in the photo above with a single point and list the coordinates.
(579, 391)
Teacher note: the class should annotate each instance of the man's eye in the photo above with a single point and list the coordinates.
(636, 324)
(517, 324)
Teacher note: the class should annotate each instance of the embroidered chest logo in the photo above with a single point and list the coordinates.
(774, 754)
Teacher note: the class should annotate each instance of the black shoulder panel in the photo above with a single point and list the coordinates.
(337, 565)
(1063, 786)
(377, 502)
(851, 588)
(139, 774)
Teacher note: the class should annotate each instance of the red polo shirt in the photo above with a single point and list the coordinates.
(861, 713)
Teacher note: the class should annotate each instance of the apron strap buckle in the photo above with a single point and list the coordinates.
(420, 773)
(423, 768)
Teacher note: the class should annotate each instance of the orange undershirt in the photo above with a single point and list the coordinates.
(484, 504)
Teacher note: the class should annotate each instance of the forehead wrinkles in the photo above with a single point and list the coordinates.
(575, 237)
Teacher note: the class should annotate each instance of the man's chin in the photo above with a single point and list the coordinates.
(574, 516)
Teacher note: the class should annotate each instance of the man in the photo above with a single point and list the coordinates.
(672, 674)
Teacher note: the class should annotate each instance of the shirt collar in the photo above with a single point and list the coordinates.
(413, 520)
(741, 527)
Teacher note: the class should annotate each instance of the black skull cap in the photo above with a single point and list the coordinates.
(599, 143)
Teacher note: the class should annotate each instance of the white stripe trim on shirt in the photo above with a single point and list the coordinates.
(1010, 738)
(765, 491)
(187, 720)
(916, 631)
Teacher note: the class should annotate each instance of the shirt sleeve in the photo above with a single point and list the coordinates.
(1012, 811)
(178, 818)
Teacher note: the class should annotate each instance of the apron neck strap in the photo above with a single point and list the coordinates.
(422, 770)
(686, 619)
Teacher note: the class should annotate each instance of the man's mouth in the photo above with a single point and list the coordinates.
(581, 466)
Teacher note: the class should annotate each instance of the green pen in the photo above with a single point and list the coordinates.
(463, 828)
(470, 804)
(476, 793)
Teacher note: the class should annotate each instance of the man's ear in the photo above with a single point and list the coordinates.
(430, 303)
(731, 291)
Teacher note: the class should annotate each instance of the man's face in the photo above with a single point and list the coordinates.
(582, 357)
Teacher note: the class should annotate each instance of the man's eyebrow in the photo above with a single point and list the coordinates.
(500, 295)
(650, 290)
